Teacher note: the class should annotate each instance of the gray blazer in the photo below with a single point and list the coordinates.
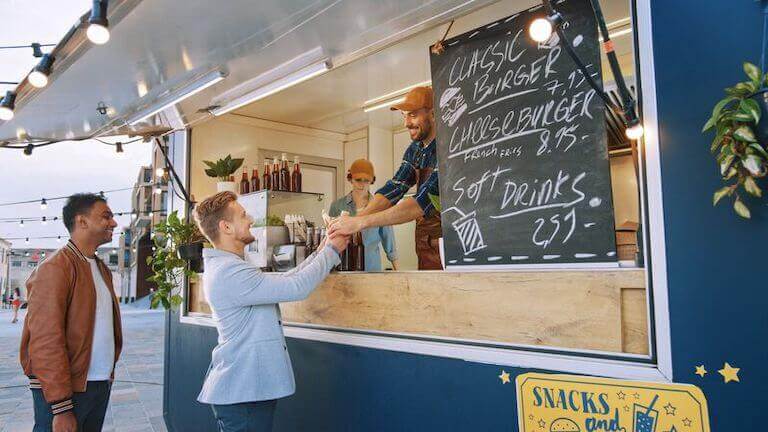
(251, 361)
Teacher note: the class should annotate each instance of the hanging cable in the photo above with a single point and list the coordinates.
(47, 199)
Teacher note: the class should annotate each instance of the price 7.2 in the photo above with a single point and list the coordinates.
(547, 230)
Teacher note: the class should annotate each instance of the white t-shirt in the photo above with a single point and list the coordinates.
(103, 349)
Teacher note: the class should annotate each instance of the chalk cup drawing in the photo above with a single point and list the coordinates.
(468, 230)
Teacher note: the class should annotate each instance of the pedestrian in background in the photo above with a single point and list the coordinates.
(16, 304)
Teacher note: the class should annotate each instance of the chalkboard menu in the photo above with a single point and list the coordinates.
(522, 147)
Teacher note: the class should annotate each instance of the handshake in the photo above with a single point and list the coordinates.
(339, 234)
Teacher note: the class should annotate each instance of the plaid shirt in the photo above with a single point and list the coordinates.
(415, 157)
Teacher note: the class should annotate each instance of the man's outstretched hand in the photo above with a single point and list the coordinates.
(345, 225)
(338, 241)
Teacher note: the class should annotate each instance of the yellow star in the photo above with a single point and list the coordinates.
(729, 373)
(504, 377)
(700, 371)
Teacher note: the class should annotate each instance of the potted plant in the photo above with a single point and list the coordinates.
(740, 123)
(222, 169)
(177, 253)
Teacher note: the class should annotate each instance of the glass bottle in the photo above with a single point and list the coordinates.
(296, 176)
(245, 185)
(285, 174)
(255, 186)
(267, 180)
(276, 174)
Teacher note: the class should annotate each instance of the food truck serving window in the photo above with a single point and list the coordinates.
(543, 201)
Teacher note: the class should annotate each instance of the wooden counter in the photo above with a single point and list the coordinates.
(595, 310)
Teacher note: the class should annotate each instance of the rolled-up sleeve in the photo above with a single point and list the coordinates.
(387, 235)
(405, 177)
(430, 187)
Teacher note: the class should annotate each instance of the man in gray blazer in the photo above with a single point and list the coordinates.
(250, 367)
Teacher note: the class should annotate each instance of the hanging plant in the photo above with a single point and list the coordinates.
(741, 156)
(168, 265)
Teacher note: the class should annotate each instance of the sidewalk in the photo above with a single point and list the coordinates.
(137, 394)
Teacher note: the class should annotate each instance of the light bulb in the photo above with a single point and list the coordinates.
(26, 241)
(540, 30)
(635, 131)
(158, 191)
(6, 113)
(43, 204)
(159, 172)
(98, 34)
(44, 221)
(38, 79)
(21, 224)
(58, 239)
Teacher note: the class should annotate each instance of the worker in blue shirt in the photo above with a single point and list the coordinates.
(361, 175)
(419, 167)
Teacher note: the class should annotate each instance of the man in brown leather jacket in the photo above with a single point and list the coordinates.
(72, 334)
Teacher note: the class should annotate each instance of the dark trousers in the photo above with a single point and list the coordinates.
(245, 417)
(90, 408)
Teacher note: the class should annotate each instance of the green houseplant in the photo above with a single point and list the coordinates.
(222, 169)
(175, 255)
(740, 144)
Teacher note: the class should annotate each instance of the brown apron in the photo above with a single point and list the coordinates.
(428, 231)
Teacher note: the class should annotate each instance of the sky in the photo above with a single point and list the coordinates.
(63, 168)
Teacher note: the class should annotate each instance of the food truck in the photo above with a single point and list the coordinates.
(588, 284)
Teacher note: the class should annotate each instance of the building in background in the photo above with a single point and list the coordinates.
(5, 267)
(22, 263)
(149, 206)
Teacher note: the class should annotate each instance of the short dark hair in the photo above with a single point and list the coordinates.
(79, 204)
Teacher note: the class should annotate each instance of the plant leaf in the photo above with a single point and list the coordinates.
(720, 193)
(750, 106)
(741, 209)
(709, 124)
(210, 164)
(757, 147)
(720, 105)
(753, 72)
(753, 164)
(435, 200)
(741, 116)
(726, 163)
(731, 173)
(744, 133)
(750, 185)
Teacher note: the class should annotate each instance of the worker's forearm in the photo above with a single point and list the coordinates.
(377, 204)
(405, 211)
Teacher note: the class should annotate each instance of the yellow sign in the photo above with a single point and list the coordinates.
(571, 403)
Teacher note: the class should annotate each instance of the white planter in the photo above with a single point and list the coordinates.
(226, 187)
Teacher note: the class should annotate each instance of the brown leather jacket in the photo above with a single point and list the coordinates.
(58, 330)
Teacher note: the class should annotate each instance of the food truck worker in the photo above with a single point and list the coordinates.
(419, 167)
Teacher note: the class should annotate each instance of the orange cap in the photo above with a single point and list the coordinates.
(362, 167)
(417, 98)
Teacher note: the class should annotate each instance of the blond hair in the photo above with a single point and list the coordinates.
(211, 211)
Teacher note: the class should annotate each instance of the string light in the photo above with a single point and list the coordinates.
(44, 221)
(26, 241)
(7, 105)
(43, 204)
(21, 224)
(98, 29)
(58, 239)
(39, 75)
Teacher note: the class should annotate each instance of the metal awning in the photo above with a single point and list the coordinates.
(159, 48)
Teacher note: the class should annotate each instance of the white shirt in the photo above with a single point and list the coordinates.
(103, 348)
